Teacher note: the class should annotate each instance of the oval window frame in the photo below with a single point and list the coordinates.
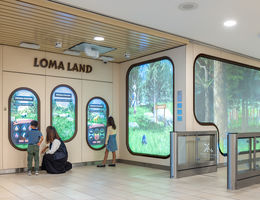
(76, 109)
(96, 97)
(9, 113)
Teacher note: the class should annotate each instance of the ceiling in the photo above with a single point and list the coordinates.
(44, 23)
(204, 24)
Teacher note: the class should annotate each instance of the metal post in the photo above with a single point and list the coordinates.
(254, 164)
(171, 154)
(231, 161)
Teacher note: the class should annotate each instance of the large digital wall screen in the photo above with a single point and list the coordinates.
(97, 114)
(24, 106)
(150, 107)
(227, 94)
(64, 112)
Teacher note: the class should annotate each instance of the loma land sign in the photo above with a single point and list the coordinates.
(59, 65)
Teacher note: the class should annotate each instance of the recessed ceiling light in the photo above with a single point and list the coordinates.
(187, 6)
(230, 23)
(99, 38)
(29, 45)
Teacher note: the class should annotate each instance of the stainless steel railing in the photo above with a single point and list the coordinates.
(243, 160)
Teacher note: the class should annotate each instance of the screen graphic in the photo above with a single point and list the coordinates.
(23, 106)
(228, 95)
(150, 108)
(63, 115)
(97, 113)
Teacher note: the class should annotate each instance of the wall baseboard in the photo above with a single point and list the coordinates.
(22, 170)
(91, 163)
(142, 164)
(220, 165)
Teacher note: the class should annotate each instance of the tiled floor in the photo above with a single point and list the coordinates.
(121, 182)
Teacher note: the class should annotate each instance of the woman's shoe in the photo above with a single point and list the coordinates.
(112, 165)
(101, 165)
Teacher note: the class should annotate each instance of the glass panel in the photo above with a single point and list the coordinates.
(150, 108)
(228, 95)
(63, 113)
(244, 158)
(97, 113)
(206, 149)
(186, 151)
(23, 106)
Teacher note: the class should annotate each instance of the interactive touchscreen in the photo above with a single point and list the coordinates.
(63, 115)
(150, 108)
(97, 113)
(23, 108)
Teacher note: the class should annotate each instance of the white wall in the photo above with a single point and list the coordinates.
(16, 70)
(183, 59)
(106, 80)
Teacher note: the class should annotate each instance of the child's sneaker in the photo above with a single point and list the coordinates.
(29, 173)
(36, 173)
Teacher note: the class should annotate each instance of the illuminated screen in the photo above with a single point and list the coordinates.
(150, 108)
(97, 113)
(228, 95)
(64, 108)
(23, 108)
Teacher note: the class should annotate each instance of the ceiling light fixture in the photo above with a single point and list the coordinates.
(99, 38)
(73, 53)
(230, 23)
(29, 45)
(187, 6)
(91, 52)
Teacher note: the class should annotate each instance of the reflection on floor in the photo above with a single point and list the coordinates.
(121, 182)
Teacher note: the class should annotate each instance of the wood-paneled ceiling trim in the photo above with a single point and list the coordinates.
(44, 23)
(104, 19)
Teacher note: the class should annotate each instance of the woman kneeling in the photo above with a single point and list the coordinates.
(56, 155)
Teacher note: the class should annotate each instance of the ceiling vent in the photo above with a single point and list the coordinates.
(91, 50)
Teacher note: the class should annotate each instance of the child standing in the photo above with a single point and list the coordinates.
(110, 142)
(35, 139)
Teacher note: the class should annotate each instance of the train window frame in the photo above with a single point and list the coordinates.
(127, 102)
(232, 62)
(9, 113)
(107, 114)
(76, 109)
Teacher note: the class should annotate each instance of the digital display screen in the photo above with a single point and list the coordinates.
(150, 108)
(64, 112)
(23, 109)
(227, 95)
(97, 113)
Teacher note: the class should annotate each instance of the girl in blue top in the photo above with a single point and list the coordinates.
(111, 144)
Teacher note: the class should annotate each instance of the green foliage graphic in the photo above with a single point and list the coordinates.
(150, 108)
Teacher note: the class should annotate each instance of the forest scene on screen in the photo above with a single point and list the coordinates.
(150, 108)
(97, 112)
(227, 95)
(23, 109)
(64, 112)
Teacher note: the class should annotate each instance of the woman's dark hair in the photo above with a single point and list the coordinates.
(51, 134)
(111, 122)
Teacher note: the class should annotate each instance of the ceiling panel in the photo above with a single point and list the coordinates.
(45, 23)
